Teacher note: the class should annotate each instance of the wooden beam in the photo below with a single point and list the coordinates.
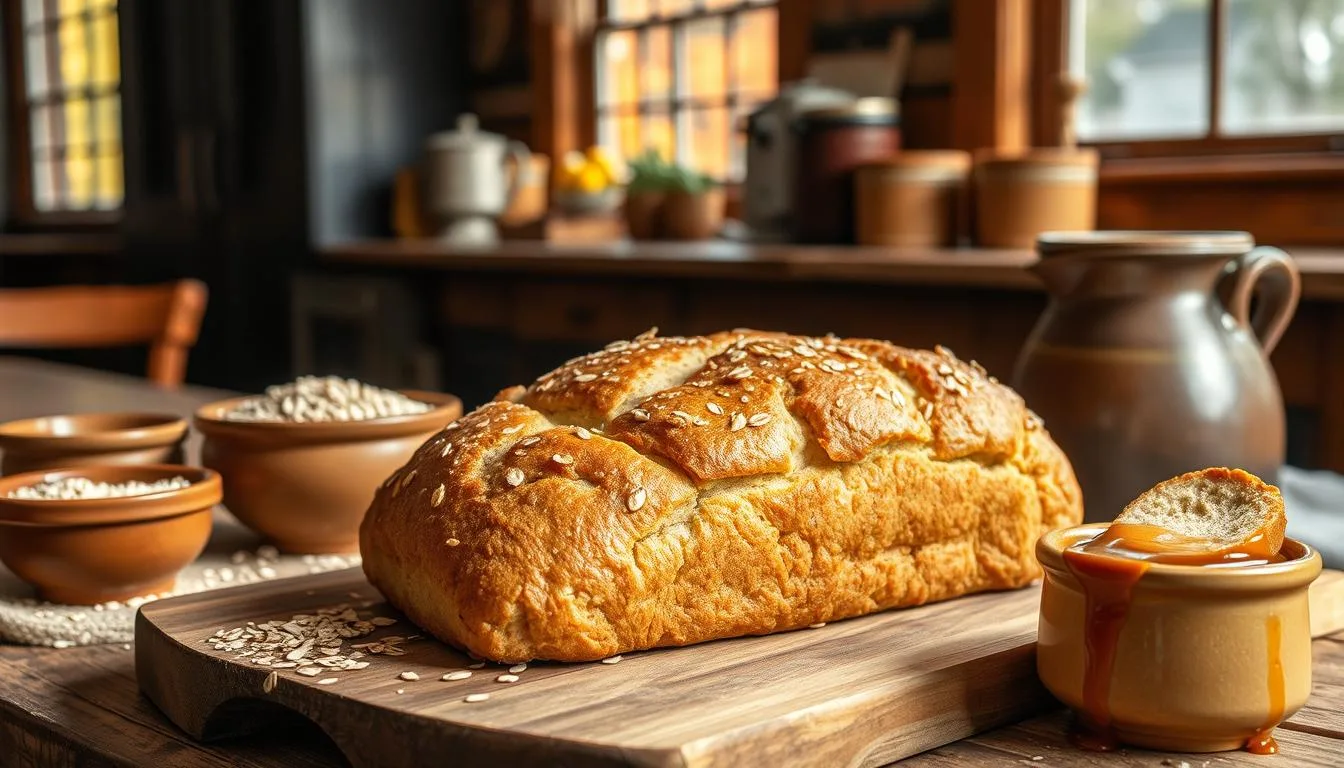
(1049, 60)
(562, 76)
(991, 84)
(795, 38)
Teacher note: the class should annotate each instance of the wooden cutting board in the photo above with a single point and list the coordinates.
(861, 692)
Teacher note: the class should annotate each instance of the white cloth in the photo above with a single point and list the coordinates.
(1314, 503)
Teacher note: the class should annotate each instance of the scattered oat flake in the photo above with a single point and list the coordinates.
(400, 691)
(452, 542)
(759, 420)
(738, 422)
(640, 414)
(562, 459)
(310, 671)
(514, 477)
(328, 680)
(516, 668)
(506, 679)
(409, 676)
(533, 440)
(268, 684)
(461, 674)
(472, 698)
(477, 665)
(437, 498)
(612, 660)
(714, 408)
(382, 621)
(818, 625)
(585, 377)
(635, 501)
(583, 434)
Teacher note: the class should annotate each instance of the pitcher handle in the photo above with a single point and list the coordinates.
(522, 156)
(1275, 274)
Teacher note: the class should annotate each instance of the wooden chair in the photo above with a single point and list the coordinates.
(166, 317)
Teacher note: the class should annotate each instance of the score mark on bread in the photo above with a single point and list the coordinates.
(672, 490)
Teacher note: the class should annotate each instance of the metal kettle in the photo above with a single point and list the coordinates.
(469, 182)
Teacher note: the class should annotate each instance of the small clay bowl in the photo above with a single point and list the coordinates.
(54, 442)
(1195, 667)
(305, 486)
(88, 551)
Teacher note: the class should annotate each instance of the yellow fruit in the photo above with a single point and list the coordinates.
(591, 179)
(599, 157)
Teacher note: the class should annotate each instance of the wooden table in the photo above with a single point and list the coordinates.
(82, 706)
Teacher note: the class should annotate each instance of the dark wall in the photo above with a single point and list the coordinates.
(382, 76)
(256, 129)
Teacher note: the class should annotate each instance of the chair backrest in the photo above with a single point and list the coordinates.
(166, 317)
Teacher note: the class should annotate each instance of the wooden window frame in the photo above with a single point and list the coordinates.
(23, 214)
(1051, 32)
(677, 104)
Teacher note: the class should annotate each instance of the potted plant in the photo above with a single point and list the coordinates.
(694, 206)
(645, 194)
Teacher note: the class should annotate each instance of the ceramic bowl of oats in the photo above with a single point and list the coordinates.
(301, 461)
(69, 440)
(87, 535)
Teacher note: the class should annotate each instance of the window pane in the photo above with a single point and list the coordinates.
(618, 81)
(709, 139)
(77, 122)
(656, 65)
(667, 8)
(755, 66)
(106, 68)
(1146, 63)
(701, 59)
(74, 48)
(659, 134)
(79, 177)
(620, 134)
(109, 192)
(107, 122)
(44, 185)
(36, 66)
(1284, 69)
(42, 131)
(33, 11)
(627, 10)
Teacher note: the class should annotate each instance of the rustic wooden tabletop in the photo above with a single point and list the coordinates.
(82, 706)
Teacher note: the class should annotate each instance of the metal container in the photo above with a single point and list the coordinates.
(833, 143)
(768, 201)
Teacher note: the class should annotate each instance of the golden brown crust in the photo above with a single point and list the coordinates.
(667, 491)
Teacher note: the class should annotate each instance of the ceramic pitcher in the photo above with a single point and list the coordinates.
(1151, 358)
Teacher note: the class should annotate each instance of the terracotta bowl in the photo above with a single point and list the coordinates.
(87, 551)
(54, 442)
(1206, 659)
(306, 486)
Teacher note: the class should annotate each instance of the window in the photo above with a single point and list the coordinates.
(70, 103)
(1227, 72)
(680, 77)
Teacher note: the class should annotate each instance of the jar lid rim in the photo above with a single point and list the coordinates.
(1145, 242)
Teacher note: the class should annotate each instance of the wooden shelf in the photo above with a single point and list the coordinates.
(1322, 268)
(59, 244)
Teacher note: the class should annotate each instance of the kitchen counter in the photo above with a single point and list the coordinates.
(1322, 268)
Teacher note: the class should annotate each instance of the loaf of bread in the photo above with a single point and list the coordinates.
(667, 491)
